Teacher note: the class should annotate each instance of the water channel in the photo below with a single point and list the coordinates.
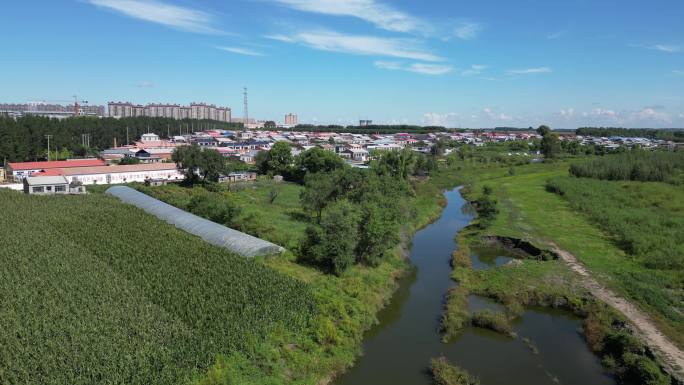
(397, 351)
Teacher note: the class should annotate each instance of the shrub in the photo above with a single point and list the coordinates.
(444, 373)
(636, 165)
(495, 321)
(330, 244)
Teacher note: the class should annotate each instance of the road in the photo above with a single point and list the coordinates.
(671, 355)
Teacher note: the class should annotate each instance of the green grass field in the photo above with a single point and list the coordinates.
(529, 211)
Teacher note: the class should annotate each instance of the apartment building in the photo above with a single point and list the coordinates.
(197, 111)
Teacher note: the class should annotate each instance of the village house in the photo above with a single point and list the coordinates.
(356, 154)
(21, 170)
(51, 185)
(116, 174)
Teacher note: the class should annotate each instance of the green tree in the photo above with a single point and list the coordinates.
(543, 130)
(379, 230)
(270, 124)
(330, 245)
(198, 164)
(550, 146)
(277, 161)
(399, 164)
(486, 205)
(319, 190)
(129, 160)
(316, 160)
(221, 211)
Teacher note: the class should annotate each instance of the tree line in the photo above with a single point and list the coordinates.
(24, 139)
(355, 215)
(638, 165)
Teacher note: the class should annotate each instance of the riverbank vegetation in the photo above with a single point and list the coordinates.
(636, 165)
(445, 373)
(493, 320)
(527, 210)
(364, 272)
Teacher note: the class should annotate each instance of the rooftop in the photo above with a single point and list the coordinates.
(18, 166)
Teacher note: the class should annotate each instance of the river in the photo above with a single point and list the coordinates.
(398, 350)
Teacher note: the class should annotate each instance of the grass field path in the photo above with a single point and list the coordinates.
(669, 352)
(528, 211)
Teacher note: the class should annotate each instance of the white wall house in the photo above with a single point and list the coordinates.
(124, 174)
(50, 185)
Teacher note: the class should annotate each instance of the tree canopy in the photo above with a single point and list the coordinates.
(199, 165)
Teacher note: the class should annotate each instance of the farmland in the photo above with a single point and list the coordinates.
(94, 290)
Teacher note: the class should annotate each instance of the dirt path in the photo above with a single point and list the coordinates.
(668, 351)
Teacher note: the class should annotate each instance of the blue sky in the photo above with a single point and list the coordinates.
(483, 63)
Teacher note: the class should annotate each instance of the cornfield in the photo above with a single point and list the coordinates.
(94, 291)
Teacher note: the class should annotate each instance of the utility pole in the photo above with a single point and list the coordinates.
(127, 141)
(168, 131)
(48, 138)
(246, 110)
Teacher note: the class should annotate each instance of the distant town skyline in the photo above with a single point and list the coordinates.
(477, 64)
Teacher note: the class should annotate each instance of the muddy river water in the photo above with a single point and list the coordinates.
(549, 350)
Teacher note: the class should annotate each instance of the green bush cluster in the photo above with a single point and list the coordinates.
(637, 165)
(496, 321)
(96, 291)
(444, 373)
(646, 220)
(356, 217)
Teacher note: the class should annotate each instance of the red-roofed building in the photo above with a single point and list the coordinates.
(21, 170)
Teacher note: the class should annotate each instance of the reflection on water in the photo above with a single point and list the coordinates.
(483, 258)
(397, 351)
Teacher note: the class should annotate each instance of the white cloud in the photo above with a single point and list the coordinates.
(359, 44)
(474, 69)
(645, 117)
(568, 113)
(388, 65)
(665, 48)
(381, 15)
(436, 119)
(239, 51)
(491, 114)
(650, 114)
(467, 30)
(528, 71)
(421, 68)
(678, 72)
(600, 112)
(183, 18)
(430, 69)
(556, 35)
(145, 84)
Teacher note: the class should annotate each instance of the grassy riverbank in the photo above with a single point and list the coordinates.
(527, 211)
(346, 305)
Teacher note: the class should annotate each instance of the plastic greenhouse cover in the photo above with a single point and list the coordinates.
(214, 233)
